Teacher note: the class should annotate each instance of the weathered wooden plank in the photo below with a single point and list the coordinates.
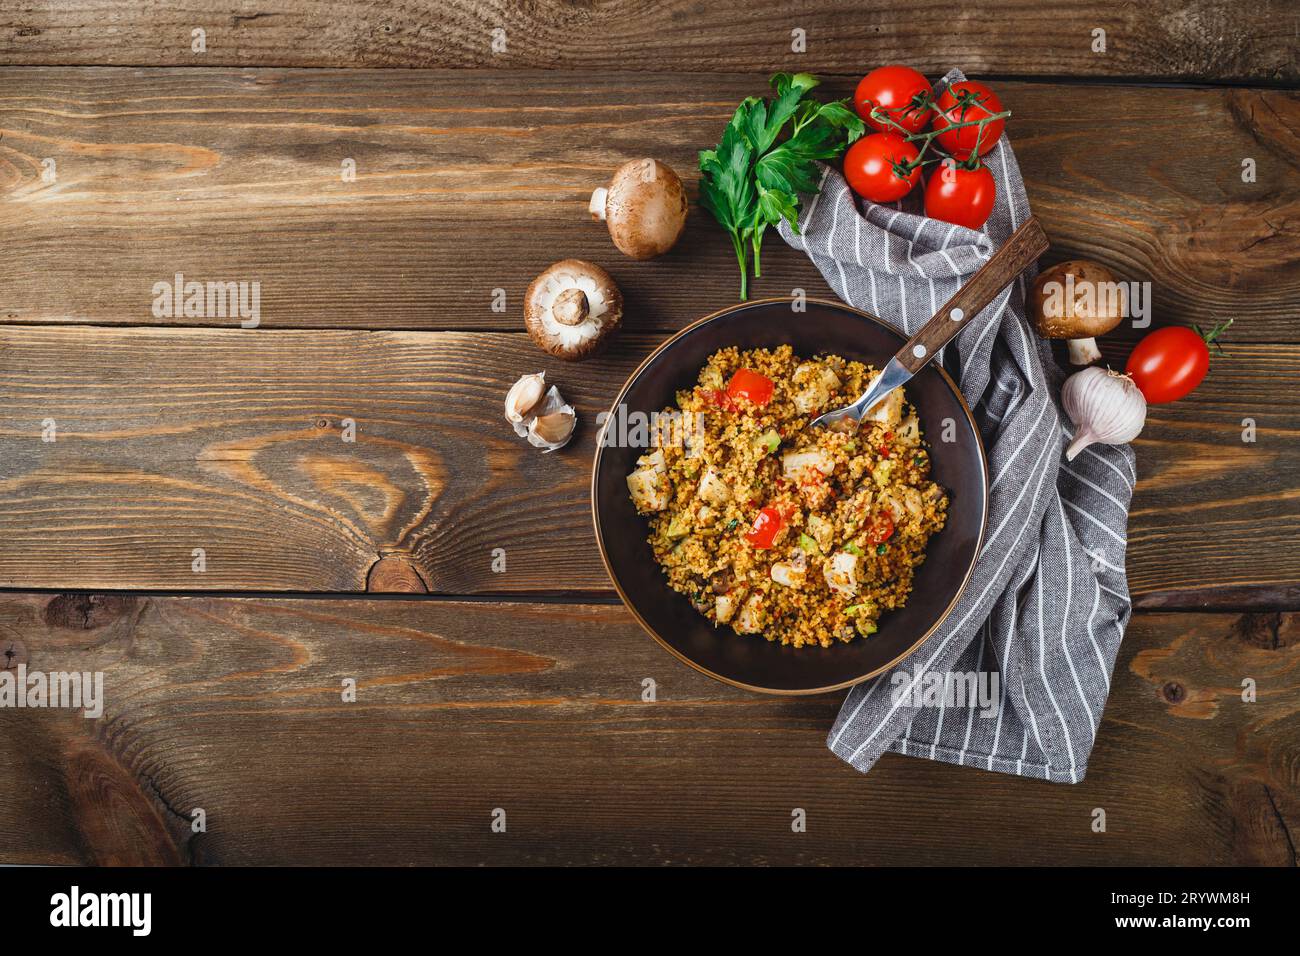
(467, 183)
(1162, 39)
(235, 706)
(232, 442)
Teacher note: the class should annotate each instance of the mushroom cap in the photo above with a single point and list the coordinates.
(645, 208)
(604, 308)
(1078, 308)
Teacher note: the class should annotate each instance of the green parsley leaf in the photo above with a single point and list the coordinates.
(751, 181)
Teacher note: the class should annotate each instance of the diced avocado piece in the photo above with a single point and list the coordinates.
(865, 626)
(769, 441)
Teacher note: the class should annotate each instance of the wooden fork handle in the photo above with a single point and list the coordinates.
(1018, 253)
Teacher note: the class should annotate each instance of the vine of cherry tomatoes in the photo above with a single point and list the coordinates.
(966, 120)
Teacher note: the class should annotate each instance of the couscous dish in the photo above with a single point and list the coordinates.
(803, 535)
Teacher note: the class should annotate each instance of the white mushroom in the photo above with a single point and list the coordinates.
(816, 382)
(648, 485)
(653, 460)
(913, 502)
(798, 463)
(822, 531)
(724, 605)
(889, 411)
(648, 490)
(644, 206)
(571, 308)
(841, 573)
(791, 573)
(713, 489)
(750, 619)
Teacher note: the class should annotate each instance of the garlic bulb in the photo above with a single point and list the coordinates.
(1105, 406)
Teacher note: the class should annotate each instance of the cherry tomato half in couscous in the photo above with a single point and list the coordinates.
(881, 528)
(767, 526)
(750, 386)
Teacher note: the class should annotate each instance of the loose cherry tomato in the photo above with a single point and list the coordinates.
(869, 166)
(902, 91)
(1170, 362)
(750, 385)
(961, 142)
(881, 528)
(766, 527)
(961, 196)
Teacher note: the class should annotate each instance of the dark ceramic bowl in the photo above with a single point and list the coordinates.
(750, 661)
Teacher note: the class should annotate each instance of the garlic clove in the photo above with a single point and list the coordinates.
(540, 414)
(554, 429)
(523, 400)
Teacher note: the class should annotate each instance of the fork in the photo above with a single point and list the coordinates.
(1018, 253)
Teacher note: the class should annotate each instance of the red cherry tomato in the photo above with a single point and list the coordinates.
(881, 528)
(750, 385)
(961, 196)
(900, 90)
(766, 527)
(869, 167)
(961, 142)
(1170, 362)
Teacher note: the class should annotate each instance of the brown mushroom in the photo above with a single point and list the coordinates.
(571, 308)
(644, 207)
(1077, 300)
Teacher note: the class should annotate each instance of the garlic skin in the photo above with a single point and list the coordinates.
(523, 399)
(1106, 407)
(553, 422)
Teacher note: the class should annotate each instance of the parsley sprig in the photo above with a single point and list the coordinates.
(751, 181)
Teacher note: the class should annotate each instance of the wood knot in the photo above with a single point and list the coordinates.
(1174, 692)
(394, 574)
(12, 652)
(1270, 631)
(86, 612)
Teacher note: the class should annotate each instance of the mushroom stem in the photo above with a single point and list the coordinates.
(571, 307)
(597, 205)
(1083, 351)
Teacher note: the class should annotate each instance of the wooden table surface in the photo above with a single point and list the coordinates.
(127, 157)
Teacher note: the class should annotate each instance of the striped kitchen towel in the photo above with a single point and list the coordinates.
(1040, 622)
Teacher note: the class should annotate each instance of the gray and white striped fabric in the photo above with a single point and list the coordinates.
(1047, 604)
